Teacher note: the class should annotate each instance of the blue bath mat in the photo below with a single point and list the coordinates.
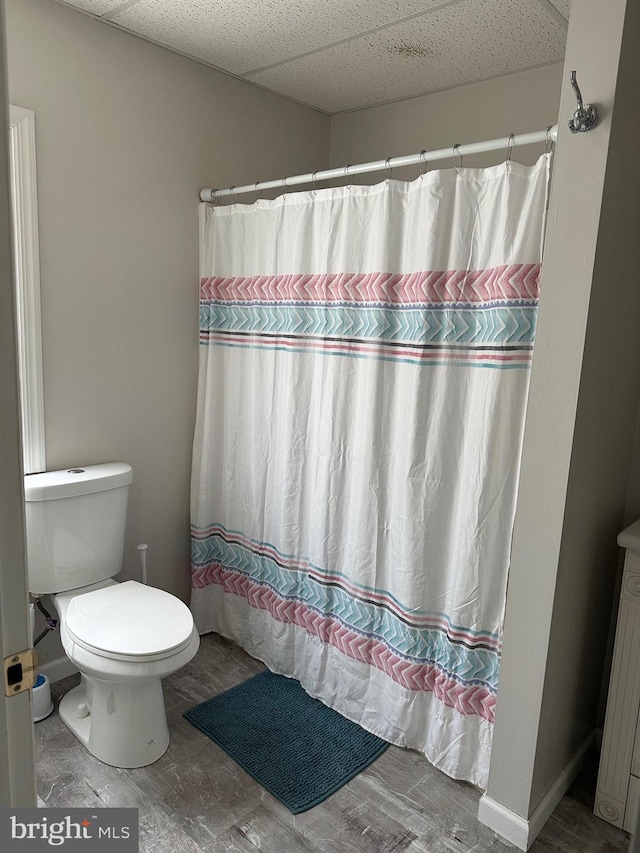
(293, 745)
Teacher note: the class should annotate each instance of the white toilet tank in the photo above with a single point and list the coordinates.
(75, 524)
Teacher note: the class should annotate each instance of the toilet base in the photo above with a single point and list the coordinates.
(124, 725)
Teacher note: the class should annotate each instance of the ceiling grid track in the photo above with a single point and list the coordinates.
(107, 16)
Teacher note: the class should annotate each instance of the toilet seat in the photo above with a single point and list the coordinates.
(129, 621)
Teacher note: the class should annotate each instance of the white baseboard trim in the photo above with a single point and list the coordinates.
(57, 669)
(523, 831)
(502, 820)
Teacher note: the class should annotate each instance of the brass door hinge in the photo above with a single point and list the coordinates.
(20, 672)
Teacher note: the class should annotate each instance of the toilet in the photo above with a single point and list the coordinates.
(123, 637)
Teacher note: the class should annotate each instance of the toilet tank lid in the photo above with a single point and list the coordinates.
(70, 482)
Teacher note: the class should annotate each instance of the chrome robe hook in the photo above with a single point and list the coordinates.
(586, 115)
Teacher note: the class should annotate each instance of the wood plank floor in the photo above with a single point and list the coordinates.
(196, 798)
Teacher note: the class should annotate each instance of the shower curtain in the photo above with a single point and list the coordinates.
(364, 366)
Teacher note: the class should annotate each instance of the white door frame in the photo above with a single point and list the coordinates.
(24, 208)
(17, 779)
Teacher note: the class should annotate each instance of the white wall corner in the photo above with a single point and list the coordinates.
(598, 738)
(523, 831)
(506, 823)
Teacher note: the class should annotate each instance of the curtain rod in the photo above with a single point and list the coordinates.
(425, 157)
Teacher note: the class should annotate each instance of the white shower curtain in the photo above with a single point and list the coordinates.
(364, 366)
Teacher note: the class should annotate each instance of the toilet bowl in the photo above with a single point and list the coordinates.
(123, 637)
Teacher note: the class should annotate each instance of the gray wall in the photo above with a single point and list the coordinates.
(127, 133)
(576, 492)
(518, 103)
(598, 486)
(633, 495)
(580, 428)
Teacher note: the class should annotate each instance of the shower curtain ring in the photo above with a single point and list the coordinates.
(387, 169)
(346, 175)
(314, 181)
(423, 163)
(456, 155)
(548, 141)
(510, 146)
(258, 189)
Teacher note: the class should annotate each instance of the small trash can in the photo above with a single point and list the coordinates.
(42, 704)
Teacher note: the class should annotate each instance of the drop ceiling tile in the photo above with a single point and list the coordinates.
(563, 6)
(244, 35)
(96, 7)
(452, 46)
